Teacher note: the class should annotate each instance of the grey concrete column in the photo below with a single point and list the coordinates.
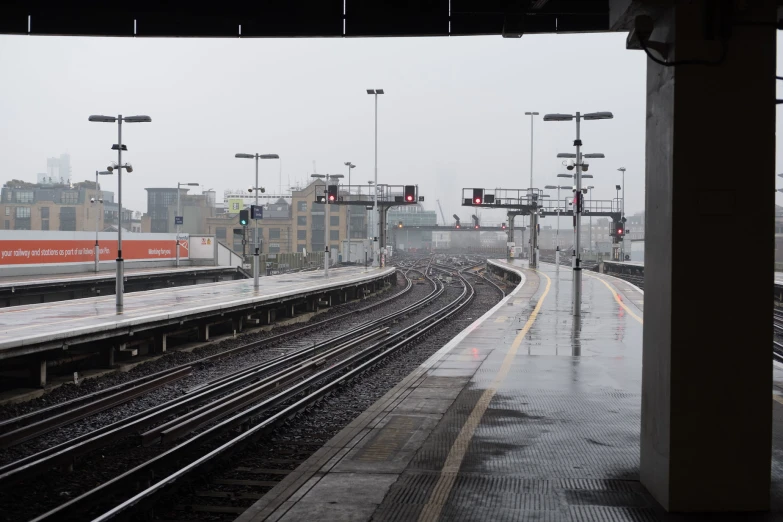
(706, 412)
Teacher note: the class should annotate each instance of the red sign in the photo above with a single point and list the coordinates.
(45, 251)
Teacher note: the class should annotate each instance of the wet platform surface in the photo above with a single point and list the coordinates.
(525, 415)
(33, 324)
(64, 279)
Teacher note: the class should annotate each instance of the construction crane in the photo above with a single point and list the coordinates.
(441, 212)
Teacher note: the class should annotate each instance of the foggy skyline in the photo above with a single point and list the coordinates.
(452, 115)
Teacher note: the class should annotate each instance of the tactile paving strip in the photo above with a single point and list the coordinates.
(485, 497)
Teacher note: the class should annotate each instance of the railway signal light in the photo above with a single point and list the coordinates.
(478, 196)
(332, 193)
(410, 193)
(322, 199)
(244, 217)
(503, 226)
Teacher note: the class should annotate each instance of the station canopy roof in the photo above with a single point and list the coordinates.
(304, 18)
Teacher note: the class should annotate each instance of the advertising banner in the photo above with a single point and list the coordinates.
(61, 251)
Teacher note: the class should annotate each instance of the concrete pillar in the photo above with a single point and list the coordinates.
(203, 332)
(706, 412)
(109, 356)
(159, 342)
(38, 373)
(237, 324)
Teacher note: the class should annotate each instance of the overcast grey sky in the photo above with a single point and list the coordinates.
(452, 115)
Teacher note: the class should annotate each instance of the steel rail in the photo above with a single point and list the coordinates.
(36, 429)
(364, 359)
(66, 452)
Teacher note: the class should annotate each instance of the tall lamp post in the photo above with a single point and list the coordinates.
(326, 219)
(256, 189)
(98, 202)
(179, 218)
(348, 227)
(376, 233)
(577, 260)
(119, 147)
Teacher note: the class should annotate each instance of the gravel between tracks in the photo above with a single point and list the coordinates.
(32, 497)
(314, 428)
(303, 436)
(202, 372)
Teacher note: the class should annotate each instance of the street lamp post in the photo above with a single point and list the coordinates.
(376, 254)
(256, 188)
(533, 263)
(348, 226)
(98, 201)
(326, 219)
(577, 260)
(119, 147)
(179, 218)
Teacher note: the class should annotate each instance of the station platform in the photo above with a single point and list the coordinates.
(21, 290)
(38, 328)
(528, 414)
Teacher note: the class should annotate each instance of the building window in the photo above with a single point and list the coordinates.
(7, 211)
(44, 224)
(301, 235)
(220, 233)
(24, 196)
(68, 218)
(69, 197)
(22, 212)
(300, 247)
(274, 233)
(301, 206)
(44, 212)
(334, 221)
(7, 225)
(274, 248)
(334, 235)
(301, 221)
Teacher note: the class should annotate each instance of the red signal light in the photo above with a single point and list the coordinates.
(477, 201)
(331, 198)
(477, 226)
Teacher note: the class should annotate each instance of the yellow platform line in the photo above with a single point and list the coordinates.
(619, 300)
(448, 474)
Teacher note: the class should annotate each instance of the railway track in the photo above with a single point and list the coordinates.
(302, 391)
(298, 374)
(21, 428)
(232, 489)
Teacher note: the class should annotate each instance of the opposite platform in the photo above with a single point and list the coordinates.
(30, 328)
(528, 414)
